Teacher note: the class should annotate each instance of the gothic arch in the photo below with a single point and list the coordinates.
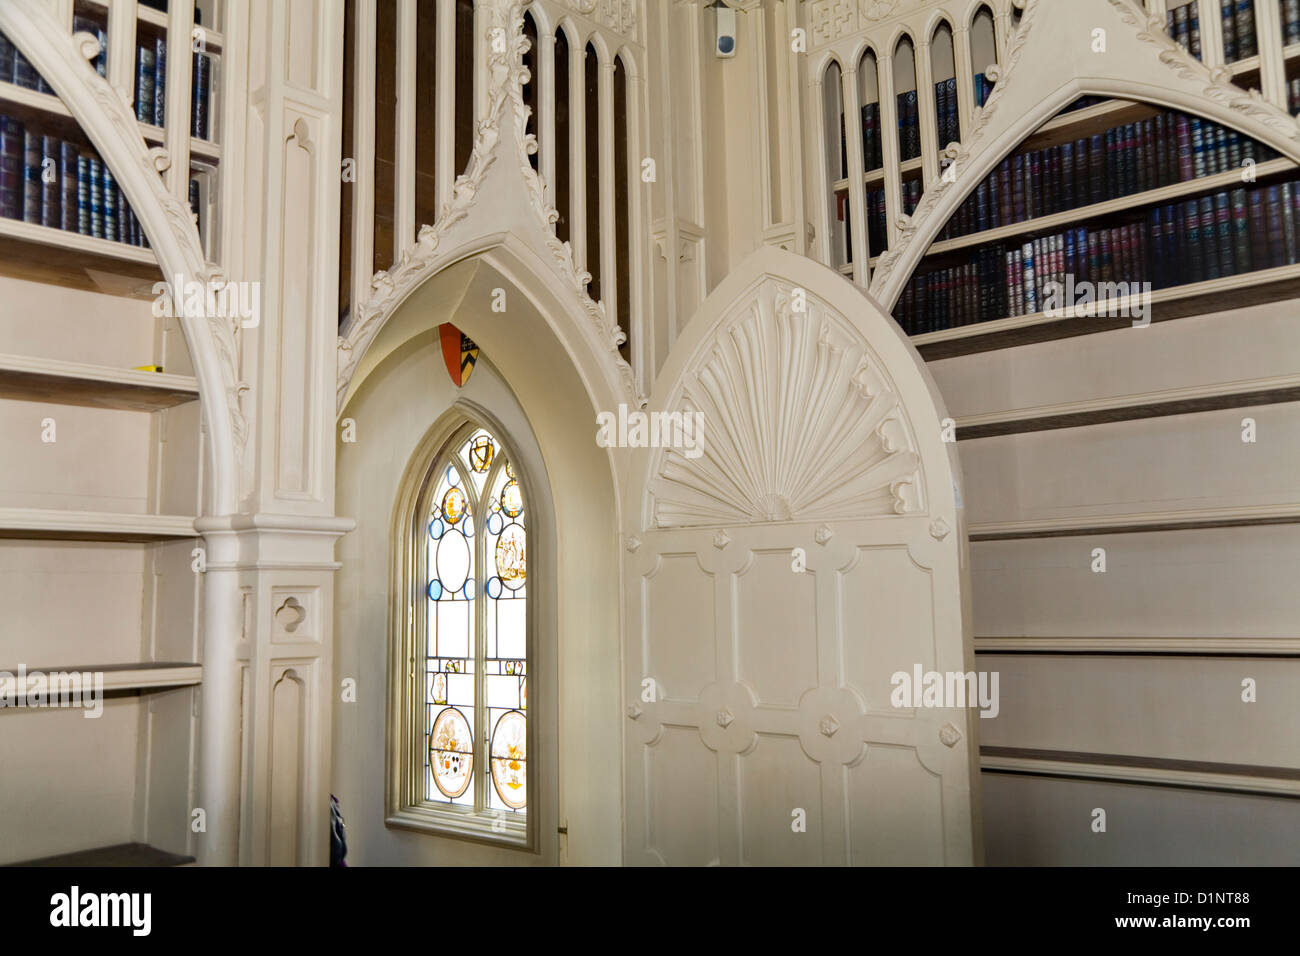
(498, 207)
(1141, 62)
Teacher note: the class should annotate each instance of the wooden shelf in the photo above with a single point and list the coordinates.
(1178, 520)
(32, 103)
(1174, 401)
(144, 675)
(28, 379)
(123, 854)
(1200, 298)
(36, 524)
(83, 262)
(213, 41)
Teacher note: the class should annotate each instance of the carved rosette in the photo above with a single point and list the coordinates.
(796, 420)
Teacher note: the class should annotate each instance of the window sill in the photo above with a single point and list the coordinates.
(506, 830)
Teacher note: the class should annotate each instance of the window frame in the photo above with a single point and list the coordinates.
(406, 805)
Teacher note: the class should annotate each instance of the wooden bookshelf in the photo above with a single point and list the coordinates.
(83, 262)
(1229, 179)
(1198, 298)
(30, 379)
(38, 524)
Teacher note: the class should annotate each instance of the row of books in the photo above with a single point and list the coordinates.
(151, 87)
(60, 184)
(1165, 149)
(1293, 94)
(150, 77)
(983, 87)
(1237, 17)
(17, 69)
(1227, 233)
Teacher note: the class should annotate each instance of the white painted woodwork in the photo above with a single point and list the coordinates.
(769, 689)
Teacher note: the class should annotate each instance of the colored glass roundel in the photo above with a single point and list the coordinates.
(453, 505)
(481, 454)
(512, 562)
(512, 499)
(451, 753)
(508, 759)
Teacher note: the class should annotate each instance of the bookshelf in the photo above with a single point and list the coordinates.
(185, 125)
(96, 563)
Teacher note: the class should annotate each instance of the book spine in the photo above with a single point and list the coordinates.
(1186, 155)
(6, 59)
(1181, 27)
(1245, 30)
(123, 218)
(1194, 30)
(1291, 21)
(144, 67)
(1028, 291)
(1198, 148)
(1096, 168)
(31, 177)
(1288, 221)
(199, 97)
(1258, 231)
(1276, 240)
(68, 186)
(50, 193)
(1223, 234)
(1227, 10)
(159, 81)
(83, 195)
(96, 198)
(1240, 230)
(11, 168)
(109, 192)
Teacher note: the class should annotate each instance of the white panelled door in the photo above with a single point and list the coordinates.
(777, 580)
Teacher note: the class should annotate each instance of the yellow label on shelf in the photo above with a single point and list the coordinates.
(148, 368)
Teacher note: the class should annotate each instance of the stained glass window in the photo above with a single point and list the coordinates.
(476, 663)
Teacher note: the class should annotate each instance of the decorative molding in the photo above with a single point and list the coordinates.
(823, 534)
(949, 735)
(617, 15)
(800, 423)
(970, 145)
(606, 327)
(432, 250)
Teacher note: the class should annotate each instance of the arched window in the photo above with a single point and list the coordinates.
(471, 654)
(983, 52)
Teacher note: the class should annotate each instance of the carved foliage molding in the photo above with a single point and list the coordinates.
(617, 15)
(799, 423)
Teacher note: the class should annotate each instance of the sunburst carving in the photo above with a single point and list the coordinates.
(799, 423)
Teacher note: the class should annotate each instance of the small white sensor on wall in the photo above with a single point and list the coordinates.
(726, 45)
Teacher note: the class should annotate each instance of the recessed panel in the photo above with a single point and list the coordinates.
(679, 616)
(895, 810)
(776, 628)
(682, 798)
(780, 804)
(888, 622)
